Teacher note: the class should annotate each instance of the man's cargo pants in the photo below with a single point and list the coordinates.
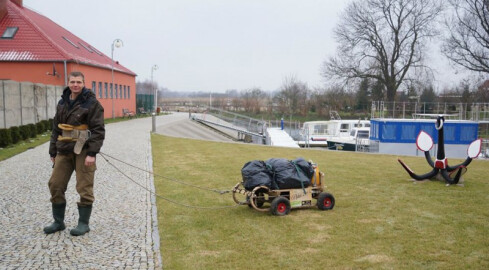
(64, 166)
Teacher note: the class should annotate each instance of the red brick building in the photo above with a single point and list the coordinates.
(35, 49)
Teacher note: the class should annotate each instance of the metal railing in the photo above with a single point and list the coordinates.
(478, 112)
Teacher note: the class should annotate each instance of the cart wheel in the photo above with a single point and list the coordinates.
(325, 201)
(258, 198)
(238, 194)
(258, 201)
(280, 206)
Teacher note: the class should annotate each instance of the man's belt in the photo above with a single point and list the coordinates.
(79, 134)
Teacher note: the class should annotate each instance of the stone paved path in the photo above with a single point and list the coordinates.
(123, 233)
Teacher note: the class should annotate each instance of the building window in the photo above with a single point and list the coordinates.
(120, 91)
(115, 88)
(71, 42)
(106, 90)
(125, 92)
(100, 89)
(128, 92)
(111, 91)
(10, 32)
(94, 87)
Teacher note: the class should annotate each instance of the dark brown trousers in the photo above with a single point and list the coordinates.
(64, 166)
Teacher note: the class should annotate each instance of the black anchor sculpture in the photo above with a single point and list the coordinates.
(424, 142)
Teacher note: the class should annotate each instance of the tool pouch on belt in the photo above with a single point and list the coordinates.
(79, 134)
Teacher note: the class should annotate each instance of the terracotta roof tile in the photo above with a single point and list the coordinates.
(40, 39)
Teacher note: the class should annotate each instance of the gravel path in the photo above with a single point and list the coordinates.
(123, 230)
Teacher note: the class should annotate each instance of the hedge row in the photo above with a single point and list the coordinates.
(13, 135)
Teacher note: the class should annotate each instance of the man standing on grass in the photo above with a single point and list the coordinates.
(77, 136)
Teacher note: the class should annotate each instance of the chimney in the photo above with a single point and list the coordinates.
(3, 8)
(18, 2)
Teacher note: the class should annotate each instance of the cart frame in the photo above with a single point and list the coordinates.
(281, 201)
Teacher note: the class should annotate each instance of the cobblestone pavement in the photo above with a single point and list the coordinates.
(123, 232)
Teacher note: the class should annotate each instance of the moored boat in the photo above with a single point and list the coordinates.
(318, 133)
(356, 141)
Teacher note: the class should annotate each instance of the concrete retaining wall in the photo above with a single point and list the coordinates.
(24, 103)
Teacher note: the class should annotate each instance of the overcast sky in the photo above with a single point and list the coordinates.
(210, 45)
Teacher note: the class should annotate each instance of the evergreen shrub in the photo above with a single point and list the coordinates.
(47, 127)
(33, 130)
(50, 125)
(25, 132)
(5, 137)
(40, 128)
(15, 133)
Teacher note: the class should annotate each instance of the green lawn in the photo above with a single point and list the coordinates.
(382, 220)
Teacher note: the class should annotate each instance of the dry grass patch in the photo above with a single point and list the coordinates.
(380, 221)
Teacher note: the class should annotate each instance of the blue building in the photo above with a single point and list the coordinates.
(398, 136)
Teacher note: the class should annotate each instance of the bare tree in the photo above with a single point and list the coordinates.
(236, 104)
(339, 99)
(292, 97)
(378, 91)
(382, 40)
(146, 87)
(482, 93)
(319, 102)
(253, 99)
(468, 42)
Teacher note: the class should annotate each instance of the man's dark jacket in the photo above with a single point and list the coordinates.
(84, 110)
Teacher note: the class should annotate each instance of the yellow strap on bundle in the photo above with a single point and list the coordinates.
(71, 127)
(70, 136)
(66, 139)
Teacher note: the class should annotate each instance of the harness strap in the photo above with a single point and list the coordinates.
(79, 134)
(71, 127)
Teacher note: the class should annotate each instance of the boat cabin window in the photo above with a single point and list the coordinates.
(344, 127)
(363, 134)
(362, 125)
(320, 129)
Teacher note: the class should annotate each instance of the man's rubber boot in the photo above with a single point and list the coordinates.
(82, 228)
(59, 217)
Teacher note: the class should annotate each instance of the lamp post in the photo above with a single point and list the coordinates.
(153, 68)
(117, 43)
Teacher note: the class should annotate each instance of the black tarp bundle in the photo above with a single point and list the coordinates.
(277, 173)
(255, 173)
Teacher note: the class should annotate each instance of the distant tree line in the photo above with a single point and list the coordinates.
(295, 98)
